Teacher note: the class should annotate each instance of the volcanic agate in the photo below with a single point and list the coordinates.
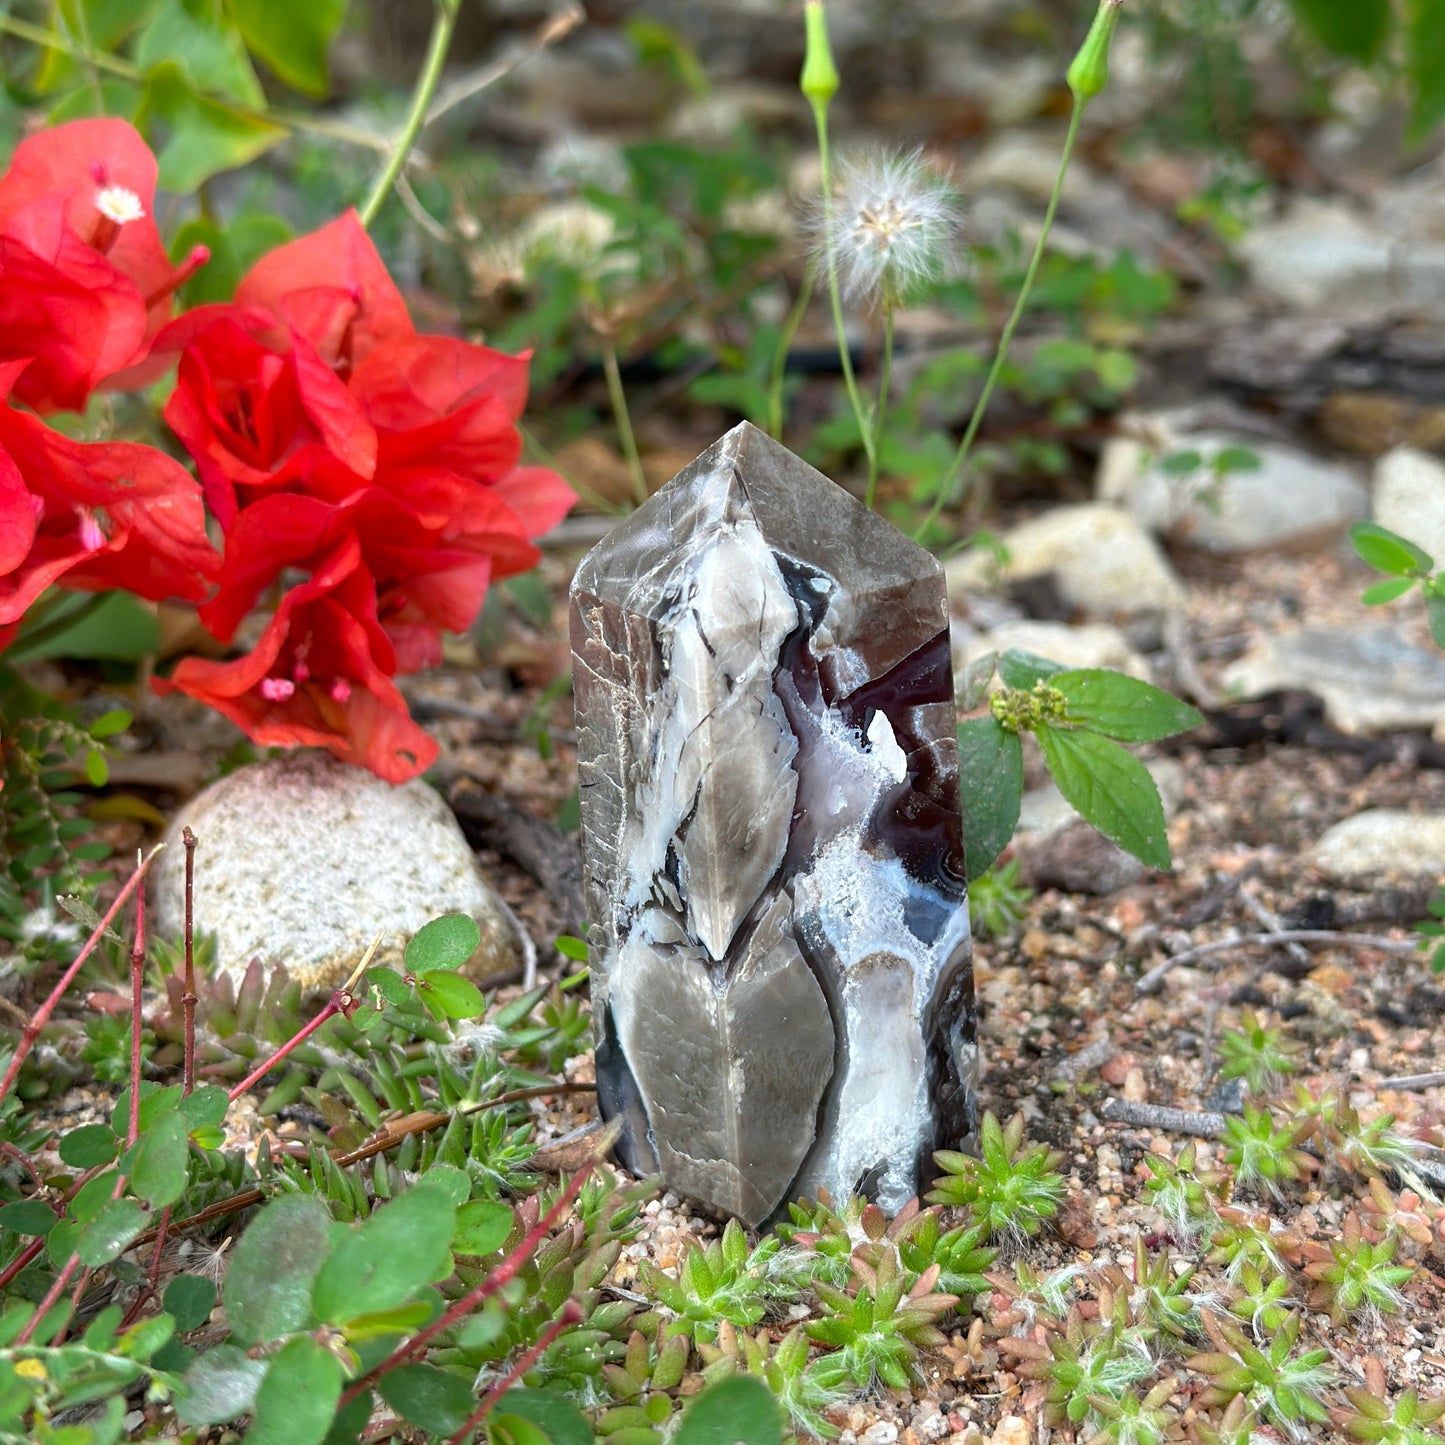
(781, 975)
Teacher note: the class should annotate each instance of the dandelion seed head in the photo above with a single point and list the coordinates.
(891, 223)
(120, 205)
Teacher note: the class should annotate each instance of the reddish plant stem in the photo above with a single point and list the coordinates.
(42, 1014)
(22, 1259)
(137, 980)
(342, 1001)
(469, 1301)
(188, 998)
(24, 1161)
(76, 1295)
(571, 1315)
(153, 1282)
(62, 1280)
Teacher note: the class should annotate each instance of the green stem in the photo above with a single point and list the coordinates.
(780, 356)
(431, 73)
(880, 411)
(618, 397)
(955, 472)
(835, 295)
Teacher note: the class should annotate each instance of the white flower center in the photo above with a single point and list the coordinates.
(117, 204)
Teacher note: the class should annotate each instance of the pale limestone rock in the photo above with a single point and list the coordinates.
(303, 860)
(1105, 563)
(1380, 842)
(1090, 644)
(1409, 488)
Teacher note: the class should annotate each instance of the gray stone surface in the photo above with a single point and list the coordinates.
(1371, 679)
(1381, 842)
(1090, 644)
(782, 982)
(1409, 498)
(1104, 562)
(1289, 502)
(303, 860)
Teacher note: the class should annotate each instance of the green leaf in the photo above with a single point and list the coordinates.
(1023, 669)
(291, 39)
(1388, 552)
(27, 1216)
(1424, 52)
(111, 1232)
(400, 1320)
(97, 770)
(234, 247)
(206, 136)
(268, 1284)
(1435, 612)
(393, 988)
(387, 1259)
(108, 724)
(1386, 591)
(1355, 29)
(737, 1411)
(428, 1397)
(157, 1166)
(451, 995)
(117, 628)
(1110, 788)
(194, 35)
(515, 1430)
(573, 948)
(1123, 707)
(189, 1300)
(104, 23)
(443, 943)
(296, 1401)
(89, 1146)
(1181, 463)
(220, 1386)
(482, 1227)
(1235, 459)
(991, 773)
(206, 1104)
(557, 1417)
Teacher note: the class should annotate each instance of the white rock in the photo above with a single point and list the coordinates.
(1026, 162)
(1371, 680)
(1410, 498)
(1104, 562)
(302, 860)
(1323, 256)
(1382, 841)
(1290, 500)
(1092, 644)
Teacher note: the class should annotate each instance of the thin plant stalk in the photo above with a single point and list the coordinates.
(880, 410)
(339, 1002)
(960, 459)
(137, 979)
(572, 1314)
(41, 1016)
(617, 396)
(443, 24)
(188, 996)
(779, 369)
(835, 299)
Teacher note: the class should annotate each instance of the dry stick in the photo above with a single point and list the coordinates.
(1203, 1123)
(1151, 979)
(337, 1003)
(137, 978)
(555, 28)
(1271, 921)
(42, 1014)
(1414, 1081)
(572, 1314)
(188, 998)
(393, 1134)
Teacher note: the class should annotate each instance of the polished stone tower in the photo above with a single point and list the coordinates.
(781, 977)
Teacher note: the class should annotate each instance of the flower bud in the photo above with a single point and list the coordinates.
(820, 76)
(1089, 73)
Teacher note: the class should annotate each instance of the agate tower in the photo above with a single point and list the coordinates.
(781, 974)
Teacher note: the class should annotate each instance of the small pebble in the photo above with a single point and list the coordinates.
(1012, 1430)
(885, 1432)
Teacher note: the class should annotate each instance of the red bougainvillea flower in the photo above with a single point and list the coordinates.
(95, 515)
(319, 677)
(85, 282)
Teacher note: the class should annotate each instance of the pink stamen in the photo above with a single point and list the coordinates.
(91, 537)
(341, 690)
(277, 689)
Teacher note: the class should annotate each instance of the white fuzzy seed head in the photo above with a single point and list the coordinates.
(892, 221)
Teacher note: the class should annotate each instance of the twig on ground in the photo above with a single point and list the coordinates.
(1151, 980)
(1271, 921)
(1414, 1081)
(1202, 1123)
